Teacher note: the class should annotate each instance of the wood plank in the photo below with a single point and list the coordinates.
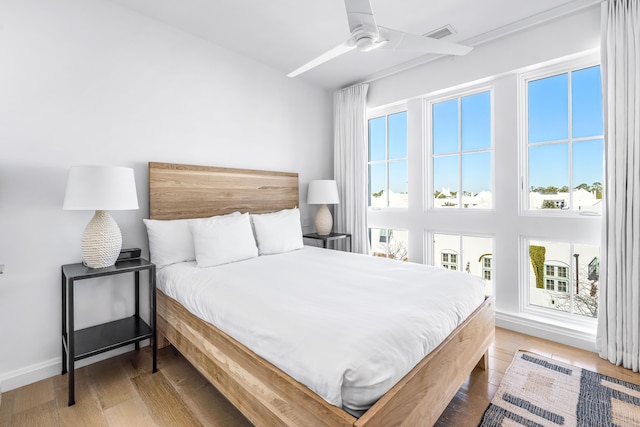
(85, 412)
(483, 363)
(132, 412)
(110, 382)
(6, 406)
(42, 415)
(33, 395)
(156, 393)
(187, 191)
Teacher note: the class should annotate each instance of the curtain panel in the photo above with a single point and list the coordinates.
(350, 164)
(618, 338)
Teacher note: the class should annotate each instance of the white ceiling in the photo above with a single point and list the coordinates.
(285, 34)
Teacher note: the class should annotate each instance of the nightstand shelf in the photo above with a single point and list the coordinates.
(108, 336)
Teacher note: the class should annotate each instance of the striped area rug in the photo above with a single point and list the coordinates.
(537, 391)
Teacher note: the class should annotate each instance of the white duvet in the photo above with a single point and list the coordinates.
(347, 326)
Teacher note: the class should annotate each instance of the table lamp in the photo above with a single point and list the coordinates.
(101, 188)
(323, 192)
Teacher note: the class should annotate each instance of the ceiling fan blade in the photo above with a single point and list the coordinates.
(341, 49)
(405, 41)
(360, 16)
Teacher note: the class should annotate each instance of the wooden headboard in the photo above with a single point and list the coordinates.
(186, 191)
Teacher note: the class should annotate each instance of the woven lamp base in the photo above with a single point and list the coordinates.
(101, 241)
(324, 221)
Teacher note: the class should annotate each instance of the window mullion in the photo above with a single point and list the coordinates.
(570, 134)
(459, 194)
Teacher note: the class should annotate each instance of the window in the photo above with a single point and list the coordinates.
(551, 285)
(388, 177)
(388, 243)
(461, 147)
(559, 277)
(555, 272)
(564, 140)
(472, 252)
(449, 259)
(562, 271)
(486, 266)
(562, 286)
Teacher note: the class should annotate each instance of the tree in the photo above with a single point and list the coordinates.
(537, 255)
(397, 250)
(549, 204)
(378, 194)
(583, 186)
(585, 302)
(597, 187)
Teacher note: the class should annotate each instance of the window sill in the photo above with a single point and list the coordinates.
(557, 213)
(577, 334)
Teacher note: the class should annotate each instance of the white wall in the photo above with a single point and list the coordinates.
(495, 63)
(89, 82)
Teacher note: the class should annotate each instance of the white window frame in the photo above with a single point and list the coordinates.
(374, 114)
(573, 320)
(428, 146)
(524, 78)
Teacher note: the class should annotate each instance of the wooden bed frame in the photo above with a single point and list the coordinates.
(263, 393)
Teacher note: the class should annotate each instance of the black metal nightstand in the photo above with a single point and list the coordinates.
(329, 237)
(83, 343)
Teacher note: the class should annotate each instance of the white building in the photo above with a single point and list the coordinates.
(582, 200)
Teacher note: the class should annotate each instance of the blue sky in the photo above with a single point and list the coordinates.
(473, 134)
(548, 133)
(548, 121)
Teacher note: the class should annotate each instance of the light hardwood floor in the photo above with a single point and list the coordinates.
(121, 391)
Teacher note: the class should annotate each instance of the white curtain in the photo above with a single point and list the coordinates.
(619, 320)
(350, 164)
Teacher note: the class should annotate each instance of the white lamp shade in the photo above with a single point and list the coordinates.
(323, 192)
(106, 188)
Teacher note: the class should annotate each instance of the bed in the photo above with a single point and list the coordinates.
(265, 394)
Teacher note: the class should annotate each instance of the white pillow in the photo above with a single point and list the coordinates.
(170, 241)
(278, 232)
(223, 240)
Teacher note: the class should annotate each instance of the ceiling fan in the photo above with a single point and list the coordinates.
(366, 35)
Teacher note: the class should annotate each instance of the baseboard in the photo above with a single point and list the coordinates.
(52, 367)
(583, 339)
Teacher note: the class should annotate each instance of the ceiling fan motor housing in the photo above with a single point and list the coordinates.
(365, 43)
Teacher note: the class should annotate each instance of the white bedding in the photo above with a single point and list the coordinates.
(347, 326)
